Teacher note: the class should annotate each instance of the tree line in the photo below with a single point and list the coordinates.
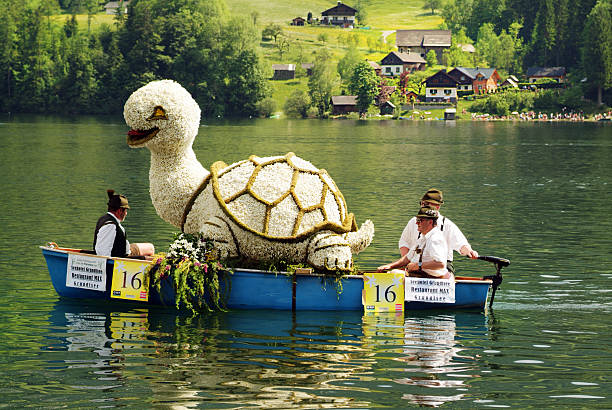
(53, 66)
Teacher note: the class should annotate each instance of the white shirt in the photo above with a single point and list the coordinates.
(106, 238)
(433, 247)
(453, 236)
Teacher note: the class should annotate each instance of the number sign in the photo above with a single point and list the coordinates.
(383, 291)
(130, 281)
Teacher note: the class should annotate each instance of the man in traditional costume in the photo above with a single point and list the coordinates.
(455, 240)
(110, 238)
(428, 257)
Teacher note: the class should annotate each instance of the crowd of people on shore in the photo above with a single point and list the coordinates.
(542, 116)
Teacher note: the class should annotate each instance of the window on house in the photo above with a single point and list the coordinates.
(434, 92)
(447, 92)
(397, 69)
(387, 69)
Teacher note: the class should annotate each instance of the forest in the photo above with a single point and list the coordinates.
(51, 64)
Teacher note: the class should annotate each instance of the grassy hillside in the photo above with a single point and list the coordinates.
(382, 14)
(383, 18)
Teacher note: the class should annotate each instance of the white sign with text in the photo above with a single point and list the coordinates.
(429, 290)
(86, 272)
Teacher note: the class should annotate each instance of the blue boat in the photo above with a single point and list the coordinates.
(256, 289)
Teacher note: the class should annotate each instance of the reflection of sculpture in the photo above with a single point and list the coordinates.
(279, 207)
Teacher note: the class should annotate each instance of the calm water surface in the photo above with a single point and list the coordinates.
(538, 194)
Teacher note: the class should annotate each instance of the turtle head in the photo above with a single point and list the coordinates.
(162, 116)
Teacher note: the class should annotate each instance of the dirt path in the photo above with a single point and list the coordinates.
(387, 33)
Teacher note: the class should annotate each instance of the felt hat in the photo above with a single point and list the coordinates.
(427, 212)
(433, 195)
(116, 201)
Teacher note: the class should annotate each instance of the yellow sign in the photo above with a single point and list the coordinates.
(383, 291)
(130, 281)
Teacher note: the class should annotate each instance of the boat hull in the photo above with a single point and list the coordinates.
(254, 289)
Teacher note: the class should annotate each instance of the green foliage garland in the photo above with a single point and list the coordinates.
(195, 271)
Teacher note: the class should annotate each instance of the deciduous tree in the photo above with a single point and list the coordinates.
(364, 84)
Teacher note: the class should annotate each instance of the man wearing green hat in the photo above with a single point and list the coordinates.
(428, 257)
(455, 240)
(110, 238)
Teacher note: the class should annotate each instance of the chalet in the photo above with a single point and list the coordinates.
(395, 63)
(308, 68)
(298, 21)
(339, 15)
(510, 82)
(554, 73)
(478, 80)
(283, 71)
(343, 104)
(421, 41)
(440, 87)
(377, 68)
(112, 7)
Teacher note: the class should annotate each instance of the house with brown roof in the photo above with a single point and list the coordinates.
(395, 63)
(283, 71)
(298, 21)
(554, 73)
(421, 41)
(377, 68)
(479, 80)
(440, 87)
(343, 104)
(339, 15)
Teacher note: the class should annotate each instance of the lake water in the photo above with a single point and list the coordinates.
(539, 194)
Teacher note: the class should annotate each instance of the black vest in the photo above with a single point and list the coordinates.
(120, 237)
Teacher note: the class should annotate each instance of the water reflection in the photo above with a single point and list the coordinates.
(266, 358)
(431, 355)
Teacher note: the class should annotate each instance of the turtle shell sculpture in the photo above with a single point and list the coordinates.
(262, 208)
(280, 198)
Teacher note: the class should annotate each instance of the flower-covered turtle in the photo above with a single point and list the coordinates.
(262, 208)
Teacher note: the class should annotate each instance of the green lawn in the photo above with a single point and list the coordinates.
(381, 14)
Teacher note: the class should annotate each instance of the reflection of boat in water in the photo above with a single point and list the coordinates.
(263, 358)
(254, 289)
(431, 355)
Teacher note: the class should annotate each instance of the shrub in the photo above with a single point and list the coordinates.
(297, 104)
(546, 99)
(266, 107)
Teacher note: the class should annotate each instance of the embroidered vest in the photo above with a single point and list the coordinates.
(120, 236)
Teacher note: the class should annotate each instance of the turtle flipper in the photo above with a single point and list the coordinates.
(218, 230)
(329, 251)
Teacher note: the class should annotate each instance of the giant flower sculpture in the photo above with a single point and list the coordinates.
(261, 208)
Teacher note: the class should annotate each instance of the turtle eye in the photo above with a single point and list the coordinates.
(158, 114)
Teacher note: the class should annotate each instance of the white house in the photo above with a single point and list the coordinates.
(339, 15)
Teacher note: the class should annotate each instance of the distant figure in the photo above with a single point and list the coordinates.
(428, 257)
(110, 238)
(455, 240)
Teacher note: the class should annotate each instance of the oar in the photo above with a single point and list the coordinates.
(497, 278)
